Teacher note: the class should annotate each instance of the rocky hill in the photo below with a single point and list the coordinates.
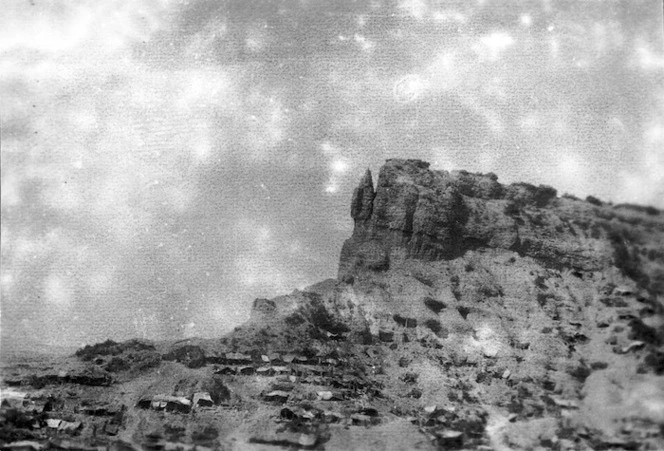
(467, 314)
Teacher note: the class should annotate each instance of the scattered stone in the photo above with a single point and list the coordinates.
(202, 399)
(24, 445)
(280, 369)
(277, 396)
(265, 371)
(308, 440)
(246, 370)
(632, 345)
(490, 352)
(111, 429)
(332, 417)
(450, 439)
(53, 423)
(566, 403)
(359, 419)
(237, 358)
(227, 370)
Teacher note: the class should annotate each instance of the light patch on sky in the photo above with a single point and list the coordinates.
(165, 162)
(57, 292)
(493, 45)
(409, 88)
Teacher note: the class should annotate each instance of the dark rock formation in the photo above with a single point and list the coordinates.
(363, 197)
(422, 214)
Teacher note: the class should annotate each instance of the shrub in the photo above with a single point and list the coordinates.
(593, 200)
(294, 320)
(110, 347)
(410, 378)
(322, 319)
(117, 364)
(544, 194)
(512, 208)
(433, 325)
(434, 305)
(463, 311)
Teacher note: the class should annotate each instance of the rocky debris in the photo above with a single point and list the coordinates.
(165, 402)
(449, 438)
(202, 399)
(278, 396)
(24, 445)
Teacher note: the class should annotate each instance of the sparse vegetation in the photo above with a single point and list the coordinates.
(434, 325)
(112, 348)
(463, 311)
(512, 208)
(649, 210)
(544, 194)
(434, 305)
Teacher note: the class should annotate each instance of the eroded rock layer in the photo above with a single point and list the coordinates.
(432, 215)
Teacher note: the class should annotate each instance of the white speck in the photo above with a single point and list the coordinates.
(408, 88)
(339, 166)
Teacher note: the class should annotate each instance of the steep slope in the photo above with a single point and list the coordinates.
(466, 315)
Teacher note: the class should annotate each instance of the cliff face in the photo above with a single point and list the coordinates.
(417, 213)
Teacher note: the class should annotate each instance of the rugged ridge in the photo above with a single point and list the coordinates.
(432, 215)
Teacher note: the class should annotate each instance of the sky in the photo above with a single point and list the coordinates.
(166, 162)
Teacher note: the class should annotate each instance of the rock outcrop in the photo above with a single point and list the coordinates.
(417, 213)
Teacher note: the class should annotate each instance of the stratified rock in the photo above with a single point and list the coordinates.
(418, 213)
